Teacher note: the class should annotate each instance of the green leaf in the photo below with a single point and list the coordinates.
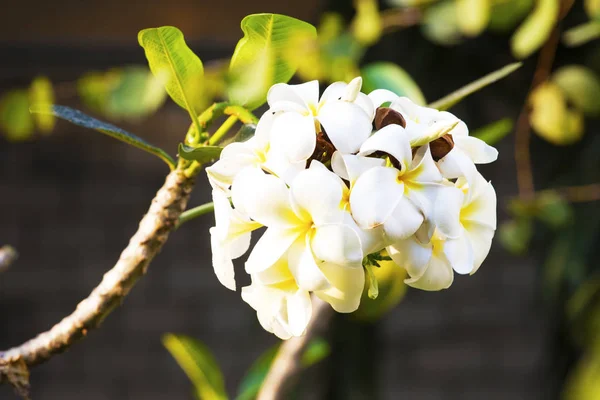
(440, 23)
(269, 53)
(453, 98)
(582, 34)
(473, 16)
(317, 350)
(592, 8)
(245, 132)
(553, 210)
(516, 234)
(172, 62)
(78, 118)
(536, 29)
(494, 132)
(385, 75)
(15, 119)
(203, 155)
(581, 87)
(41, 94)
(199, 365)
(506, 15)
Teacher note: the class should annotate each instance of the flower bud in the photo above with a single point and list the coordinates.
(385, 116)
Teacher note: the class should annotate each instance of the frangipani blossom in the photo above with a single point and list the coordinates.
(400, 196)
(470, 222)
(306, 221)
(229, 238)
(344, 113)
(281, 306)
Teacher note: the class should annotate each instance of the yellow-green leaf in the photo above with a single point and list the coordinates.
(203, 154)
(367, 26)
(551, 119)
(199, 364)
(494, 132)
(472, 16)
(269, 53)
(592, 7)
(582, 34)
(385, 75)
(536, 29)
(15, 119)
(172, 62)
(581, 87)
(448, 101)
(515, 235)
(506, 15)
(440, 23)
(41, 94)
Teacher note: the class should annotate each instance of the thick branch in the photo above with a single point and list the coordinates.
(288, 363)
(152, 233)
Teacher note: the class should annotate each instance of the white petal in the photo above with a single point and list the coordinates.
(234, 158)
(352, 90)
(316, 196)
(277, 273)
(263, 129)
(294, 135)
(424, 168)
(457, 164)
(265, 198)
(371, 240)
(380, 96)
(305, 94)
(350, 166)
(412, 255)
(347, 286)
(347, 125)
(221, 261)
(333, 92)
(299, 312)
(364, 102)
(403, 221)
(481, 242)
(304, 267)
(269, 248)
(411, 111)
(459, 253)
(374, 196)
(338, 244)
(476, 149)
(392, 140)
(481, 208)
(437, 276)
(446, 211)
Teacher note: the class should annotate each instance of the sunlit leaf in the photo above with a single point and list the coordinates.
(203, 155)
(385, 75)
(580, 86)
(390, 278)
(15, 119)
(473, 16)
(582, 34)
(173, 63)
(440, 23)
(494, 132)
(536, 29)
(551, 119)
(78, 118)
(41, 94)
(583, 383)
(267, 54)
(318, 349)
(367, 26)
(199, 365)
(330, 27)
(448, 101)
(506, 15)
(515, 235)
(592, 7)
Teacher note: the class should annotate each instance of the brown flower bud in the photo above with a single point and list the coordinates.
(441, 146)
(385, 116)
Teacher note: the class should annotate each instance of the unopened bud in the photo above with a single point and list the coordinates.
(353, 89)
(441, 146)
(385, 116)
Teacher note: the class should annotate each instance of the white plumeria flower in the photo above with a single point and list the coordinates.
(281, 306)
(344, 113)
(229, 238)
(470, 222)
(425, 124)
(306, 221)
(399, 197)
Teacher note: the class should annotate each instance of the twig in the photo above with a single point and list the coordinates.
(576, 194)
(287, 364)
(400, 18)
(155, 226)
(8, 255)
(523, 129)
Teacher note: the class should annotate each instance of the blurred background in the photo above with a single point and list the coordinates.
(523, 327)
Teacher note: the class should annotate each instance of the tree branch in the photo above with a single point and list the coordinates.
(154, 228)
(288, 362)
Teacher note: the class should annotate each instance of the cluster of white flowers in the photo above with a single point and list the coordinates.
(339, 178)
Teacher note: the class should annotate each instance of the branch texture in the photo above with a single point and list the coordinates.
(288, 363)
(152, 233)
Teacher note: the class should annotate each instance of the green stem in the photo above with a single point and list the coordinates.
(195, 212)
(223, 129)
